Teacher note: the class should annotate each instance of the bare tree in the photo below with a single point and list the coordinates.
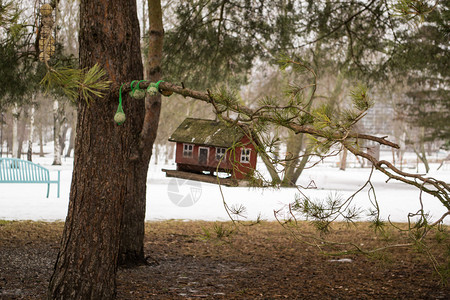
(32, 129)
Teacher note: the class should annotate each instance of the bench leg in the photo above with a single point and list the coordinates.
(48, 189)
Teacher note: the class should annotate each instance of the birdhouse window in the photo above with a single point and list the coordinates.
(245, 155)
(220, 153)
(188, 150)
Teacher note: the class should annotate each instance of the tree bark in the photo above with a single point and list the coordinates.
(293, 147)
(62, 138)
(295, 166)
(167, 153)
(170, 153)
(156, 153)
(56, 135)
(30, 136)
(41, 141)
(343, 165)
(302, 165)
(15, 142)
(104, 176)
(132, 235)
(21, 136)
(72, 135)
(1, 134)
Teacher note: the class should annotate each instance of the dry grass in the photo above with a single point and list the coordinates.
(215, 260)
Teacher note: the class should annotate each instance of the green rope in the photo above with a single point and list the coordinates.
(139, 83)
(119, 117)
(136, 91)
(137, 86)
(120, 97)
(157, 84)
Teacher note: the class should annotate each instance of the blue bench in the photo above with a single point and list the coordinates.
(13, 170)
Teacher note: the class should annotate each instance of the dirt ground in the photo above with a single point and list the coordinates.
(191, 260)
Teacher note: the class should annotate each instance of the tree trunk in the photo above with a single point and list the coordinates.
(21, 136)
(72, 135)
(41, 141)
(30, 136)
(156, 153)
(293, 148)
(423, 156)
(302, 165)
(132, 235)
(62, 138)
(295, 166)
(421, 153)
(170, 153)
(1, 135)
(167, 153)
(106, 175)
(15, 142)
(56, 135)
(393, 156)
(343, 165)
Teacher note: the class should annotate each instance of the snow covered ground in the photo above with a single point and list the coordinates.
(171, 198)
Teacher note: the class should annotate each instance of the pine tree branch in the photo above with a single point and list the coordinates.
(255, 114)
(434, 187)
(441, 189)
(366, 7)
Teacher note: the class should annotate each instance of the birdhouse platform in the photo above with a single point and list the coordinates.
(206, 178)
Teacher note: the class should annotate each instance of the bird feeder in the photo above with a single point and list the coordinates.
(46, 10)
(47, 21)
(44, 56)
(136, 92)
(119, 116)
(152, 89)
(46, 31)
(46, 36)
(47, 45)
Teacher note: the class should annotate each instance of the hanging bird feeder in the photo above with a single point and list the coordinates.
(136, 92)
(120, 117)
(153, 89)
(46, 31)
(47, 20)
(46, 10)
(47, 45)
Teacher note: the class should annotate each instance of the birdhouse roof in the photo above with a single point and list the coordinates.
(206, 133)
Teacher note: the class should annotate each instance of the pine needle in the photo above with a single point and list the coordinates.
(86, 83)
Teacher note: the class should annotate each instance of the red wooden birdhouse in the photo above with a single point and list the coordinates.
(211, 146)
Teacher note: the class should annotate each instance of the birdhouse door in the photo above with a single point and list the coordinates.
(203, 156)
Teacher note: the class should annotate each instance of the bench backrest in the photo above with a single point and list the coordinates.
(17, 170)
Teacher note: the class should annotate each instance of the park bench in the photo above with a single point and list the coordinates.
(13, 170)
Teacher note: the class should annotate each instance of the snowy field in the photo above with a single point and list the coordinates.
(170, 198)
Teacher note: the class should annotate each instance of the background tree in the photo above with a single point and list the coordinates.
(132, 228)
(18, 72)
(421, 63)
